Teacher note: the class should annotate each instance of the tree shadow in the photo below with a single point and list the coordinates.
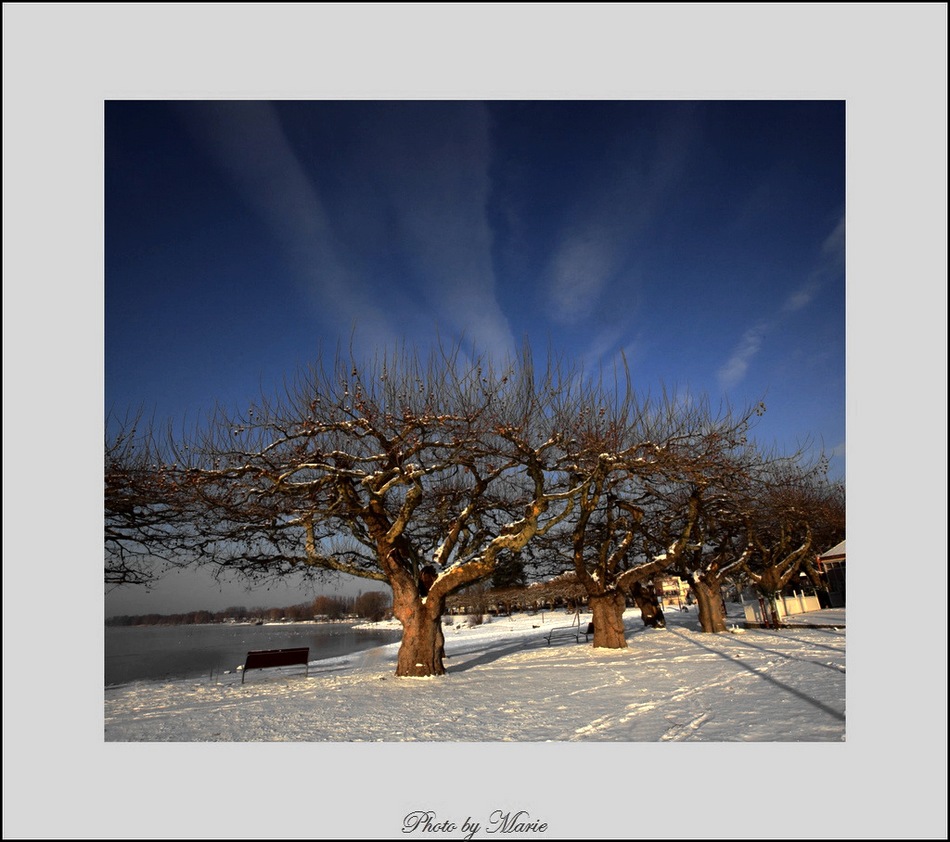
(494, 654)
(786, 656)
(765, 677)
(778, 633)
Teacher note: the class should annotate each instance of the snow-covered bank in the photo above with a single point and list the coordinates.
(505, 683)
(580, 740)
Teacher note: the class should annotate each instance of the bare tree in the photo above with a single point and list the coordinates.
(712, 493)
(794, 503)
(333, 608)
(718, 550)
(141, 512)
(828, 529)
(373, 605)
(417, 475)
(641, 507)
(424, 475)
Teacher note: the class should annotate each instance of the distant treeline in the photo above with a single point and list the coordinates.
(373, 606)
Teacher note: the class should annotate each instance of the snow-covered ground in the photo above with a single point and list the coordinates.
(506, 683)
(682, 736)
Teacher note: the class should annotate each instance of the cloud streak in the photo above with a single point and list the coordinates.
(247, 143)
(801, 297)
(428, 165)
(606, 227)
(418, 189)
(579, 273)
(736, 367)
(831, 257)
(833, 248)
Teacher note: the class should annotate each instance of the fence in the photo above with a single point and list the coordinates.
(756, 607)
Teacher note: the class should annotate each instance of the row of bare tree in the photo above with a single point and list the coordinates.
(370, 606)
(430, 475)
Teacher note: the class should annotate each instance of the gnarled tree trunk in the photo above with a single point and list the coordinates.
(607, 612)
(649, 605)
(708, 597)
(422, 649)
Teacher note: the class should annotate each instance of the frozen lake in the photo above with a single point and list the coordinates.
(134, 653)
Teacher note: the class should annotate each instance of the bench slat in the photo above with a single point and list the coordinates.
(569, 631)
(264, 658)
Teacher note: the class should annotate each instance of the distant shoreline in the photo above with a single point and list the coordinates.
(356, 620)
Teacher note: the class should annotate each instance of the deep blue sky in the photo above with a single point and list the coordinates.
(705, 240)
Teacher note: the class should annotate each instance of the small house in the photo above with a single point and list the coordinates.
(831, 566)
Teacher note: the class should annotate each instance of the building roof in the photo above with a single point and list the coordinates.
(837, 551)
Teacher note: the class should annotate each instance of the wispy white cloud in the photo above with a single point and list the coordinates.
(579, 272)
(247, 142)
(419, 188)
(597, 237)
(831, 257)
(429, 166)
(603, 229)
(801, 297)
(833, 248)
(737, 365)
(603, 344)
